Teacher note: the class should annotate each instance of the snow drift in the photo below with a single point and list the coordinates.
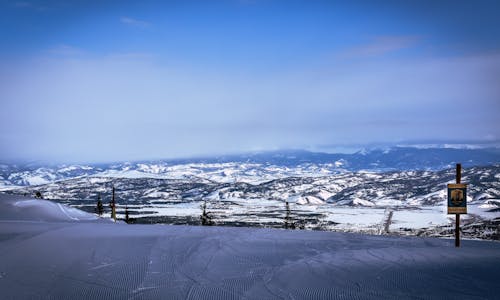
(22, 208)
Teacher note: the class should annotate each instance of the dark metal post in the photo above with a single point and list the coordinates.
(457, 216)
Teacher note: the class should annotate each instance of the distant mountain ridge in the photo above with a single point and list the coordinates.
(259, 166)
(394, 158)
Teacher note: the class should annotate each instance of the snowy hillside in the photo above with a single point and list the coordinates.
(257, 167)
(93, 260)
(340, 192)
(348, 201)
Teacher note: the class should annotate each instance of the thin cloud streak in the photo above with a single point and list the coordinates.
(65, 50)
(29, 5)
(382, 45)
(134, 22)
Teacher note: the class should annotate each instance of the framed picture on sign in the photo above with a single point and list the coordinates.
(457, 198)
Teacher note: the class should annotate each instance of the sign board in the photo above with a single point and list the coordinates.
(457, 198)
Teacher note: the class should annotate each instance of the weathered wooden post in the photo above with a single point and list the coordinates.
(457, 201)
(113, 206)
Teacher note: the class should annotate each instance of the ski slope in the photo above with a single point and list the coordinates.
(50, 251)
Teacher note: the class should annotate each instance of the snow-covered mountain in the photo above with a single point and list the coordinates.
(366, 191)
(349, 201)
(396, 188)
(256, 167)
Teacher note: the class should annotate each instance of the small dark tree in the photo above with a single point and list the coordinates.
(288, 219)
(100, 207)
(127, 220)
(301, 224)
(206, 218)
(38, 195)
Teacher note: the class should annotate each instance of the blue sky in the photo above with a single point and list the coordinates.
(123, 80)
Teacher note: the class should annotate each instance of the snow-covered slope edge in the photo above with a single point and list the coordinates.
(19, 208)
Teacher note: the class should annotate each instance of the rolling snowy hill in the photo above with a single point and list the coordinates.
(252, 190)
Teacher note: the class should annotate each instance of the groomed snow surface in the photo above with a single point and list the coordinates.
(50, 251)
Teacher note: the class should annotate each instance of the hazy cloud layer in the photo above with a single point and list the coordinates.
(128, 106)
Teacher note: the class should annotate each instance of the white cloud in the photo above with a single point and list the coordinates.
(29, 5)
(381, 45)
(135, 22)
(65, 50)
(247, 2)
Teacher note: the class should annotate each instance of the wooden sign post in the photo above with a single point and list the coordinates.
(113, 206)
(457, 202)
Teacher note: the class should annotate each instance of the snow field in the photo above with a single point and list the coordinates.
(70, 259)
